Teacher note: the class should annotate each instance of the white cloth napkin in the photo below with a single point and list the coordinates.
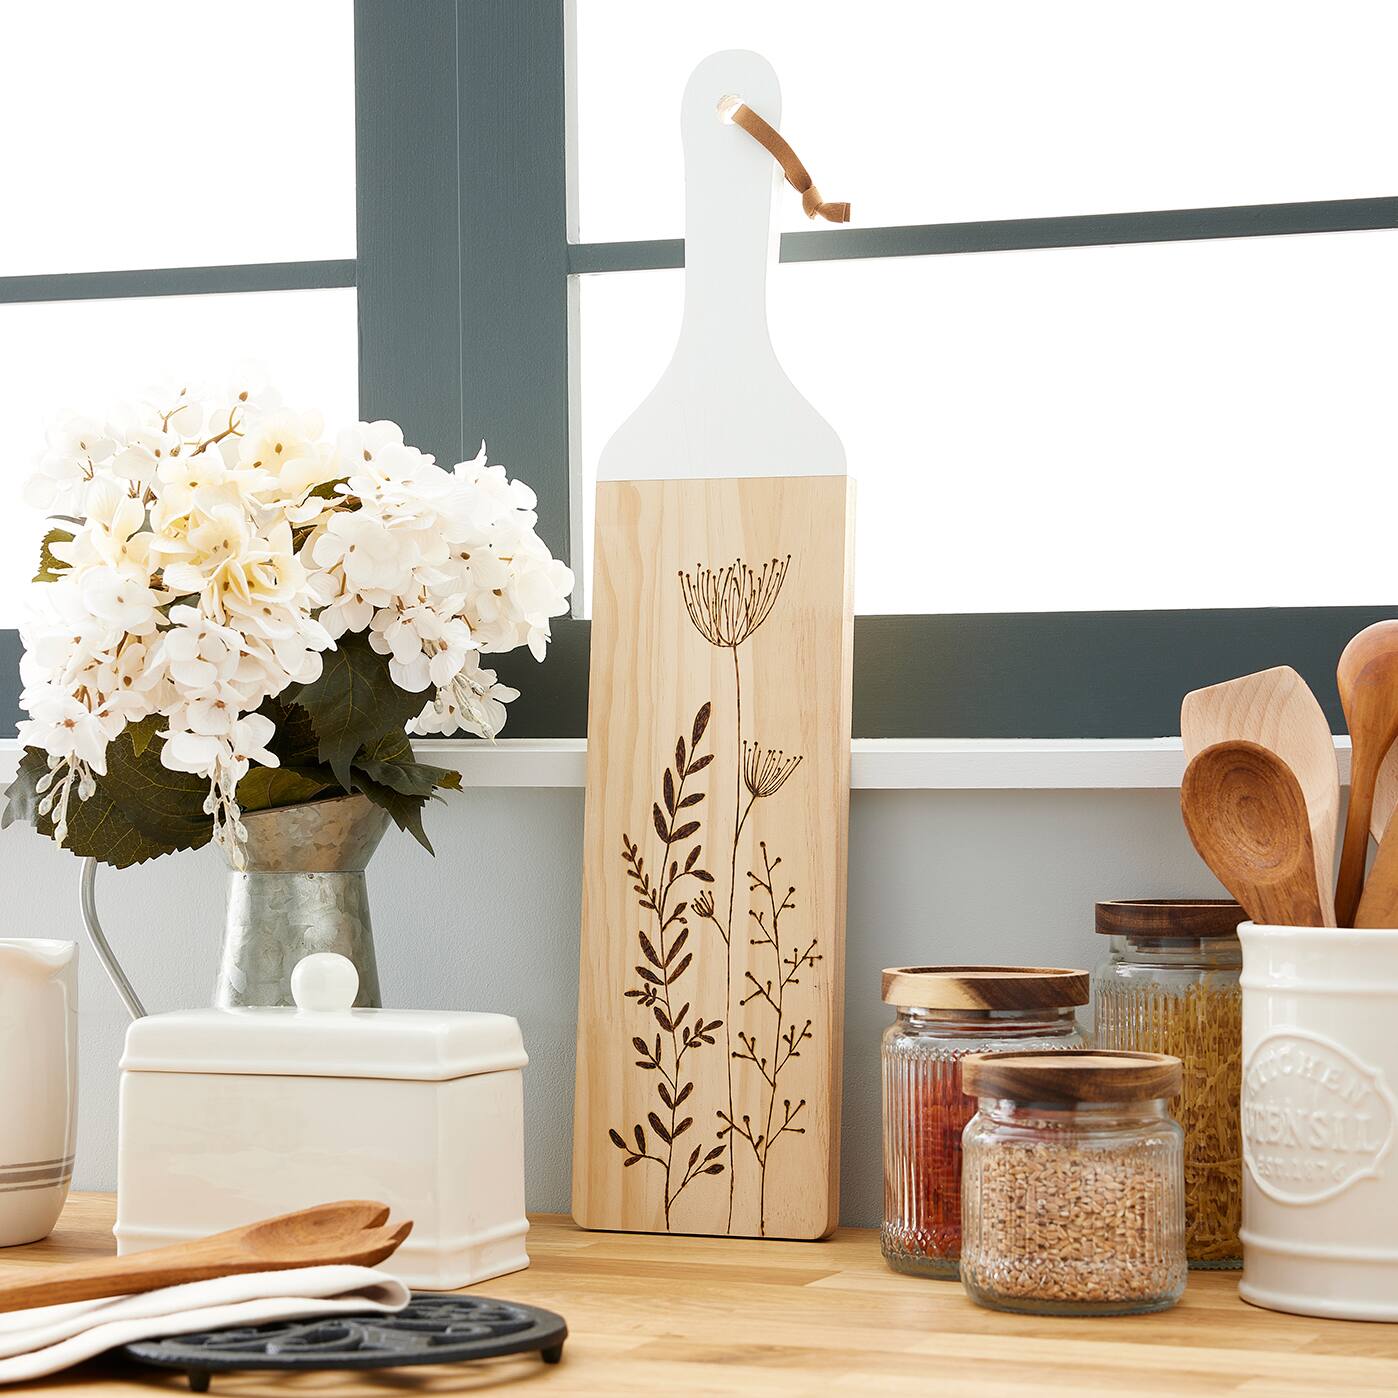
(46, 1339)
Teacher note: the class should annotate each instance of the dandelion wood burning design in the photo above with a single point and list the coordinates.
(664, 964)
(727, 606)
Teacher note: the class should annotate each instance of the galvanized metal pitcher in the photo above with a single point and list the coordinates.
(302, 890)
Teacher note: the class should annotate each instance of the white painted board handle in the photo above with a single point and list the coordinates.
(724, 407)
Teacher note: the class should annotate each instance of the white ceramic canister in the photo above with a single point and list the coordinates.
(38, 1084)
(234, 1115)
(1320, 1073)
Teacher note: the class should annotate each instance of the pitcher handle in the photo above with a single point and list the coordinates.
(98, 939)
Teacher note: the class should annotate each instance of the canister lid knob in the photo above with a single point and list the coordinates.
(324, 980)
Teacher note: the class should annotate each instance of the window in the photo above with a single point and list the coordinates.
(1039, 430)
(939, 113)
(181, 200)
(176, 135)
(1112, 310)
(1110, 317)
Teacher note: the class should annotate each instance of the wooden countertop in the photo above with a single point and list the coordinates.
(676, 1316)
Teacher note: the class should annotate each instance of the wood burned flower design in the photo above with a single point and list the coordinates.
(662, 967)
(728, 604)
(765, 771)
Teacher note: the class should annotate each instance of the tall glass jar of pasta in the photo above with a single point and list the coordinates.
(945, 1013)
(1170, 985)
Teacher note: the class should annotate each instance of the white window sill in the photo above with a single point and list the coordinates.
(879, 764)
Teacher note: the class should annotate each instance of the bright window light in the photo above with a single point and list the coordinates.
(1157, 425)
(936, 112)
(170, 134)
(91, 356)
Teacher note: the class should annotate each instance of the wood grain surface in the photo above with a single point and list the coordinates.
(691, 1316)
(1246, 815)
(709, 1016)
(352, 1232)
(1378, 904)
(985, 987)
(1169, 917)
(1367, 678)
(1277, 710)
(1071, 1075)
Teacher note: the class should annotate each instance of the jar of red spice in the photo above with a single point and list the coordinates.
(944, 1013)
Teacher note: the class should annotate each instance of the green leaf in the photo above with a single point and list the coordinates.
(22, 795)
(266, 787)
(406, 778)
(142, 735)
(166, 806)
(392, 747)
(295, 742)
(354, 703)
(99, 827)
(406, 811)
(390, 763)
(49, 566)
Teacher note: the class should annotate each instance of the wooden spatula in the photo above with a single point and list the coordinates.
(353, 1232)
(1246, 814)
(1276, 709)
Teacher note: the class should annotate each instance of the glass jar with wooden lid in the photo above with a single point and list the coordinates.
(1170, 985)
(1073, 1183)
(944, 1013)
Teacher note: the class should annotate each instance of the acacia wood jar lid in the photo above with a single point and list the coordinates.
(1071, 1075)
(1186, 918)
(985, 987)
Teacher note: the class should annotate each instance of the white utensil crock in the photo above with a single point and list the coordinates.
(1320, 1071)
(38, 1084)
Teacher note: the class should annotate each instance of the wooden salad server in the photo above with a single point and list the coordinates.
(1276, 710)
(1246, 814)
(351, 1233)
(1368, 681)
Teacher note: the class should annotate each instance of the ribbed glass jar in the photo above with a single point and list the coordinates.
(1072, 1207)
(924, 1108)
(1170, 985)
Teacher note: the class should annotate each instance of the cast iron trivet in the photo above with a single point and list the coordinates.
(431, 1329)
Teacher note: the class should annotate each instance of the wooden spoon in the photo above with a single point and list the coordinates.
(1246, 814)
(347, 1233)
(1378, 907)
(1276, 709)
(1368, 680)
(1385, 796)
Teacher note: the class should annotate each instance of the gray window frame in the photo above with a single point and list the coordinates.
(466, 273)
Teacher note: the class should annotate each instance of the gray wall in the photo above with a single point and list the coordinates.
(493, 925)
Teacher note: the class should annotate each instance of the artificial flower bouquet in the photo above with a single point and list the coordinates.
(233, 612)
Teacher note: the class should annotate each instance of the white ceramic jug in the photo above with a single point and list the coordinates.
(38, 1084)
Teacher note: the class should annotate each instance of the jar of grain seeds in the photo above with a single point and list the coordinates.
(1170, 985)
(944, 1013)
(1073, 1183)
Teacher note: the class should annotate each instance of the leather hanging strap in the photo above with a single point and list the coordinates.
(796, 174)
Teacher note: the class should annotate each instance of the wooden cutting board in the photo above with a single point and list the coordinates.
(709, 1042)
(712, 968)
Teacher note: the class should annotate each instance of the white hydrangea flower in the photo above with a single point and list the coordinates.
(212, 569)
